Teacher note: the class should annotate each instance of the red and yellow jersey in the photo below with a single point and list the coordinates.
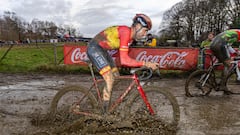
(114, 37)
(118, 37)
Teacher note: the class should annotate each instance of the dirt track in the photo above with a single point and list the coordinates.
(24, 96)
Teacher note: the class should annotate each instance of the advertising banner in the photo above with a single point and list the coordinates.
(168, 58)
(209, 59)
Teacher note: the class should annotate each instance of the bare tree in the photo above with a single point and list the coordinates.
(192, 18)
(171, 26)
(233, 11)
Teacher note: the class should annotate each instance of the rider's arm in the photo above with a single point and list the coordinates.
(125, 60)
(128, 61)
(230, 49)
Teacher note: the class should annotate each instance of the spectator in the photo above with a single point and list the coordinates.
(151, 41)
(206, 43)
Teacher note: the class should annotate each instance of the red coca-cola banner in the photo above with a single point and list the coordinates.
(168, 58)
(207, 53)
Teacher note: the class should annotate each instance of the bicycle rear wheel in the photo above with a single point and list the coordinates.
(164, 104)
(194, 84)
(232, 83)
(67, 98)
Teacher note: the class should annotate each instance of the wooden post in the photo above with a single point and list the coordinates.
(4, 55)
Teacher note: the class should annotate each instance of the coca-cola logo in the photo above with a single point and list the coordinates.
(169, 59)
(172, 59)
(78, 56)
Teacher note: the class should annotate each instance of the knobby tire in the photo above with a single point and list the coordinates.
(72, 94)
(193, 86)
(232, 83)
(164, 104)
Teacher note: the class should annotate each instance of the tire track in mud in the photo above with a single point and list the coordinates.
(27, 97)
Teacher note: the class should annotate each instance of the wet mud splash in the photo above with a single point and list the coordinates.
(88, 125)
(25, 99)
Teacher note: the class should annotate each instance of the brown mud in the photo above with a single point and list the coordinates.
(25, 102)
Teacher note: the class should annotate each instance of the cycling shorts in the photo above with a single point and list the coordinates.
(220, 50)
(100, 57)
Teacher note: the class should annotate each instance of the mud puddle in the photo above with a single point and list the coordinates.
(25, 101)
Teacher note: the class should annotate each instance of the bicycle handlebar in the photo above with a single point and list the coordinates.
(144, 72)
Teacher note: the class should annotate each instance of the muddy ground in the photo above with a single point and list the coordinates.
(25, 97)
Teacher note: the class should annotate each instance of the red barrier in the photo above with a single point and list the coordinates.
(207, 58)
(168, 58)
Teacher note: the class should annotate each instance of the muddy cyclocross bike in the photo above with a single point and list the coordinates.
(131, 99)
(201, 82)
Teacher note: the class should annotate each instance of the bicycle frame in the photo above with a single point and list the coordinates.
(125, 101)
(208, 79)
(135, 81)
(234, 69)
(210, 71)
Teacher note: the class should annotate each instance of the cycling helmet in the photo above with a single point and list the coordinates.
(144, 20)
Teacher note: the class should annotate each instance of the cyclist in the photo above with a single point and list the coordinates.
(117, 37)
(221, 48)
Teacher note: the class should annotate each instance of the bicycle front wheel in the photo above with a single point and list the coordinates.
(164, 104)
(69, 98)
(198, 84)
(232, 83)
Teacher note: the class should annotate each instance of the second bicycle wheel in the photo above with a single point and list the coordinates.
(197, 85)
(232, 83)
(69, 97)
(164, 104)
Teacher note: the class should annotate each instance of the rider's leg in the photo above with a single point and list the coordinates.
(107, 90)
(109, 76)
(104, 63)
(225, 71)
(115, 71)
(223, 56)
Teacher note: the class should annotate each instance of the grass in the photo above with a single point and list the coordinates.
(34, 58)
(41, 58)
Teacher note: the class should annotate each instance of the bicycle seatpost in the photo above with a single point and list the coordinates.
(90, 65)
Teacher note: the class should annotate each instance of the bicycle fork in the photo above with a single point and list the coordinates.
(143, 95)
